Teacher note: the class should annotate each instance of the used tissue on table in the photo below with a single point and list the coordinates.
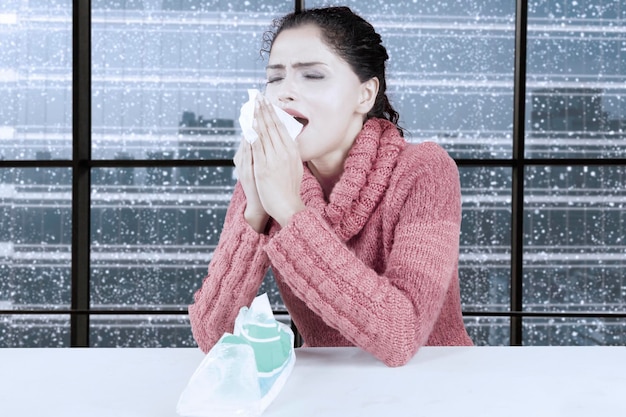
(244, 372)
(246, 117)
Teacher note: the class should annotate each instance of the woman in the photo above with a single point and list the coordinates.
(360, 228)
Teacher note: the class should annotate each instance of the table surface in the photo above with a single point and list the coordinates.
(439, 381)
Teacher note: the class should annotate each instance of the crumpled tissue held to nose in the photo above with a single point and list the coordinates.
(246, 117)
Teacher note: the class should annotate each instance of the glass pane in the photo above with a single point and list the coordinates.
(35, 238)
(575, 257)
(166, 80)
(153, 233)
(35, 80)
(574, 332)
(28, 331)
(488, 331)
(137, 330)
(576, 88)
(485, 253)
(450, 72)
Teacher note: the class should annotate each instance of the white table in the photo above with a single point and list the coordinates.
(476, 381)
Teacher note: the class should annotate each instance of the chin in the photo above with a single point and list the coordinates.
(304, 155)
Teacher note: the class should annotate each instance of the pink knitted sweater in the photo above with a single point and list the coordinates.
(375, 266)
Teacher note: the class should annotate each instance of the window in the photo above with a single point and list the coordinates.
(109, 211)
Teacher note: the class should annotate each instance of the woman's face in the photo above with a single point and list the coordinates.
(312, 83)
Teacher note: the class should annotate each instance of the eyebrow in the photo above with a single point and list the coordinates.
(295, 65)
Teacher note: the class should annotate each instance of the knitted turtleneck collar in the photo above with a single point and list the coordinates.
(365, 178)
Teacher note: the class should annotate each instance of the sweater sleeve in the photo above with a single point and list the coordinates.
(391, 314)
(235, 274)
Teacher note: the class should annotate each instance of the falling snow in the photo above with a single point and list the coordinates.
(168, 78)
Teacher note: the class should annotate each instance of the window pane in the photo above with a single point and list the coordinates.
(35, 238)
(35, 80)
(166, 77)
(574, 225)
(576, 88)
(488, 331)
(574, 332)
(21, 330)
(450, 70)
(485, 253)
(153, 233)
(137, 330)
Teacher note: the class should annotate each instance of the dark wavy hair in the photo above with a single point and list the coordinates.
(353, 39)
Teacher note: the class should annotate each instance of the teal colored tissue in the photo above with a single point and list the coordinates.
(272, 342)
(260, 348)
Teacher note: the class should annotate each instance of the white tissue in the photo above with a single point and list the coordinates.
(246, 117)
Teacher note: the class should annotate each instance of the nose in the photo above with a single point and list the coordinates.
(286, 91)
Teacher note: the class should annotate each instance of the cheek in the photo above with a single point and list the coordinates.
(339, 101)
(328, 106)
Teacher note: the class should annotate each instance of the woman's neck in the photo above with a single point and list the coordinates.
(329, 168)
(326, 174)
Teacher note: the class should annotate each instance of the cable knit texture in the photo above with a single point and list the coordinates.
(375, 266)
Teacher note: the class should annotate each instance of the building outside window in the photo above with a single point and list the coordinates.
(168, 78)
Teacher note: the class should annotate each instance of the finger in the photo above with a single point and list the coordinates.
(275, 127)
(275, 139)
(260, 126)
(246, 158)
(258, 122)
(274, 131)
(257, 151)
(243, 163)
(237, 158)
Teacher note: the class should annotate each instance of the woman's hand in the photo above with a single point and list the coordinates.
(277, 165)
(255, 214)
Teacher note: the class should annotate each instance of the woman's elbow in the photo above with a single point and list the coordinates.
(402, 348)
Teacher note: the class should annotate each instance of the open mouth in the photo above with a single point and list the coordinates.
(302, 120)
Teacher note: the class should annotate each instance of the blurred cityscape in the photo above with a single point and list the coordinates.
(169, 86)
